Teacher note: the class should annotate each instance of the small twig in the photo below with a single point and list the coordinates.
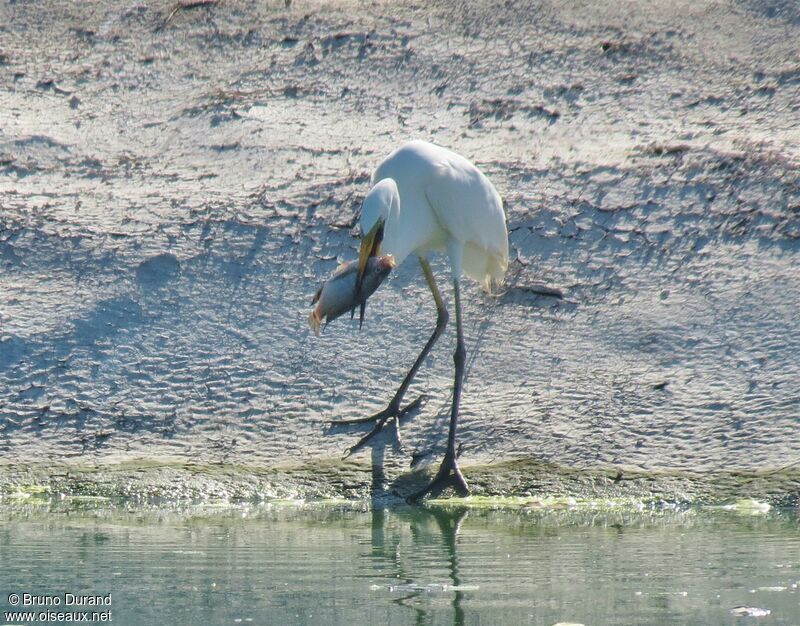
(189, 4)
(540, 290)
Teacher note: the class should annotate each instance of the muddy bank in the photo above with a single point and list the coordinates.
(173, 189)
(359, 481)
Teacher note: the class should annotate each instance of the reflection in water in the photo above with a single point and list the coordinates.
(448, 522)
(346, 564)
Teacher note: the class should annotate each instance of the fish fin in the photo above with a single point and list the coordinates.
(315, 321)
(361, 311)
(316, 296)
(342, 266)
(352, 312)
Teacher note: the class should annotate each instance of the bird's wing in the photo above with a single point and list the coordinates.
(467, 206)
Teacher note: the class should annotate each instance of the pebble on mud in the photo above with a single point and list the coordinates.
(749, 611)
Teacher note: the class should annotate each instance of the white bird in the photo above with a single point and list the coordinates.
(425, 198)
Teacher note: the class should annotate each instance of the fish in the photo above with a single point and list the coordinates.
(339, 293)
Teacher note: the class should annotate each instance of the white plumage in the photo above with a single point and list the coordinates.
(427, 198)
(434, 199)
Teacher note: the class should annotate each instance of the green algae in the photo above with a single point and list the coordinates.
(550, 502)
(747, 506)
(523, 483)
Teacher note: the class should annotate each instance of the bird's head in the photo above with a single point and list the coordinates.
(375, 212)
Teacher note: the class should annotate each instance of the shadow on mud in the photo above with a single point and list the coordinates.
(385, 485)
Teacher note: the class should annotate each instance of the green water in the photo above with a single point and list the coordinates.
(341, 564)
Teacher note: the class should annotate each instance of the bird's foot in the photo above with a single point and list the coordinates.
(392, 413)
(449, 475)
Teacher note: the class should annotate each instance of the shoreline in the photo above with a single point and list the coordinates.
(324, 480)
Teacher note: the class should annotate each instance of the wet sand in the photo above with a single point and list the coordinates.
(175, 188)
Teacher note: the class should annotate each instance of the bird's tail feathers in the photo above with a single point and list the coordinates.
(487, 267)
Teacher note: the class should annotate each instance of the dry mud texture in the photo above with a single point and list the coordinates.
(175, 188)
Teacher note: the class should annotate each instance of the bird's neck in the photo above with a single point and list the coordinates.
(393, 242)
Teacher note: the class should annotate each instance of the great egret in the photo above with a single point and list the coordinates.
(426, 198)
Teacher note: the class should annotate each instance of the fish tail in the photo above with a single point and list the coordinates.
(315, 321)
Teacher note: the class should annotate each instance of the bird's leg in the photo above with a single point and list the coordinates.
(393, 410)
(449, 475)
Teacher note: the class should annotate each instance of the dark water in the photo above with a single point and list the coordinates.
(283, 564)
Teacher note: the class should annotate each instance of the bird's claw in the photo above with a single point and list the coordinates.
(449, 475)
(375, 430)
(391, 412)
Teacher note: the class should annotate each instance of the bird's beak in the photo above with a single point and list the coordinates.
(370, 246)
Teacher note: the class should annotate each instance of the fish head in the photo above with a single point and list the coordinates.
(377, 269)
(384, 265)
